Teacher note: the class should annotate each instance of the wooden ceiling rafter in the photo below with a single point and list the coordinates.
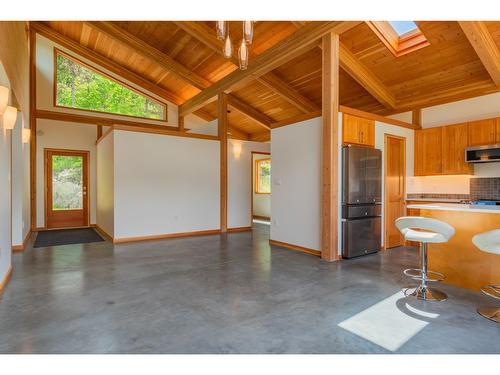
(205, 35)
(244, 108)
(293, 46)
(483, 43)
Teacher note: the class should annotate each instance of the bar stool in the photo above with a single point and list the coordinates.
(489, 242)
(424, 230)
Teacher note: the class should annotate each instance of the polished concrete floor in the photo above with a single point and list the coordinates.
(228, 294)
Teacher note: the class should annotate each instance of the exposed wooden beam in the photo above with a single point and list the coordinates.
(223, 125)
(150, 52)
(237, 134)
(375, 117)
(416, 118)
(294, 45)
(329, 147)
(180, 123)
(365, 78)
(204, 114)
(206, 35)
(249, 111)
(261, 137)
(104, 62)
(485, 47)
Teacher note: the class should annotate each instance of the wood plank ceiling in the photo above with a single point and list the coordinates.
(184, 58)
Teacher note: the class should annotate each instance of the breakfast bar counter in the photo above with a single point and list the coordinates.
(458, 259)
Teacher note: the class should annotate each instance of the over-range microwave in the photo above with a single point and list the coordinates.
(483, 154)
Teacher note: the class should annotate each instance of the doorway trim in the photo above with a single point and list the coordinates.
(86, 198)
(386, 160)
(252, 171)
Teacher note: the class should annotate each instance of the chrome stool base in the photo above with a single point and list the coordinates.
(491, 313)
(425, 293)
(417, 274)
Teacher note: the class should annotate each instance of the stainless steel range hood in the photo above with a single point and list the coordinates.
(483, 154)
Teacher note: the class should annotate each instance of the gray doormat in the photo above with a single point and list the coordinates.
(66, 237)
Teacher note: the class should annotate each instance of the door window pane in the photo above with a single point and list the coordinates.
(263, 174)
(67, 182)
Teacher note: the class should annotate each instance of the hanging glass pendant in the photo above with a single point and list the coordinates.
(243, 55)
(228, 47)
(248, 31)
(221, 30)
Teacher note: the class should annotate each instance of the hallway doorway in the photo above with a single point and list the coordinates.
(261, 187)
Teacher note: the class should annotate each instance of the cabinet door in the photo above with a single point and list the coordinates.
(418, 153)
(350, 129)
(482, 132)
(454, 144)
(498, 131)
(431, 151)
(367, 131)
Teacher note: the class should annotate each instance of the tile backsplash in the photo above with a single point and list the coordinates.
(485, 188)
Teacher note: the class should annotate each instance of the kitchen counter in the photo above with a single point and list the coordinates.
(457, 207)
(458, 259)
(442, 200)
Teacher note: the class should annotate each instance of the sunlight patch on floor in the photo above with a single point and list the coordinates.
(386, 325)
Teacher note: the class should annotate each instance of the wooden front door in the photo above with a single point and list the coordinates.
(395, 171)
(66, 188)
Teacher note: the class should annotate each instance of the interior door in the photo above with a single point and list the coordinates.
(66, 188)
(395, 172)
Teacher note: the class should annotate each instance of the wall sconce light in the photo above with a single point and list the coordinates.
(9, 118)
(26, 135)
(4, 99)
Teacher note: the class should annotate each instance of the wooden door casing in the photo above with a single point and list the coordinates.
(66, 218)
(394, 188)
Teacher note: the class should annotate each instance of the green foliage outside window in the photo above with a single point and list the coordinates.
(83, 88)
(67, 182)
(263, 176)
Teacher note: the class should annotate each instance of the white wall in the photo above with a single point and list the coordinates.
(105, 216)
(165, 184)
(296, 185)
(5, 192)
(261, 202)
(70, 136)
(240, 181)
(20, 184)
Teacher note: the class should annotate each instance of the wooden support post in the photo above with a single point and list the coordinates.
(330, 143)
(32, 106)
(99, 131)
(222, 129)
(180, 122)
(416, 118)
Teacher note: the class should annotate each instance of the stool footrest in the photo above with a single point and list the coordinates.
(416, 274)
(491, 290)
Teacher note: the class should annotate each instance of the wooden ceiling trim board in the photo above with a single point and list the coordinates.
(365, 78)
(103, 61)
(204, 34)
(150, 52)
(296, 44)
(249, 111)
(373, 116)
(485, 47)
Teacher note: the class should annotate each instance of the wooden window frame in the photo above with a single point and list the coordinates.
(399, 45)
(58, 52)
(257, 175)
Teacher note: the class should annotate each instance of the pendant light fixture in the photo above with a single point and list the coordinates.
(227, 46)
(248, 31)
(9, 118)
(243, 55)
(4, 99)
(221, 30)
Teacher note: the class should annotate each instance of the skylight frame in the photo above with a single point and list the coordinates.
(399, 45)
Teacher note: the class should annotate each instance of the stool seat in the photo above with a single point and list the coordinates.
(423, 236)
(488, 242)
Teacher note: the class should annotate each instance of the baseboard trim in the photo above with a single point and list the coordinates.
(102, 232)
(258, 217)
(165, 236)
(6, 279)
(239, 229)
(295, 247)
(18, 248)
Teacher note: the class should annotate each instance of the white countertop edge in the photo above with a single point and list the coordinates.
(457, 207)
(442, 200)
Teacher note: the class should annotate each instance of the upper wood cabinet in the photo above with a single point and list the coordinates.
(358, 130)
(428, 152)
(482, 132)
(498, 131)
(453, 146)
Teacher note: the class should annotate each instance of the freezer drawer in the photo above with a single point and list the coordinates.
(361, 236)
(360, 211)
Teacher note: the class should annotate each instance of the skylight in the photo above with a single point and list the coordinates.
(403, 27)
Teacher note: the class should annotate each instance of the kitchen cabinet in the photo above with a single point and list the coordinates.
(428, 152)
(482, 132)
(358, 130)
(453, 145)
(498, 131)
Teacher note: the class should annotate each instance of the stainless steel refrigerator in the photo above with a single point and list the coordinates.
(361, 201)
